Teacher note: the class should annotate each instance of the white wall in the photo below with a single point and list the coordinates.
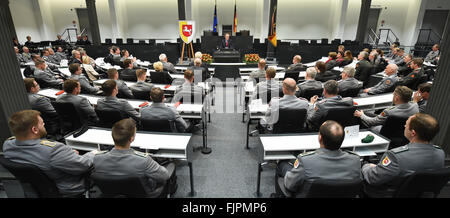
(23, 15)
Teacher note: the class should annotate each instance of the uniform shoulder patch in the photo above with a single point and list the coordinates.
(400, 149)
(388, 82)
(307, 153)
(138, 153)
(435, 146)
(48, 143)
(386, 161)
(296, 163)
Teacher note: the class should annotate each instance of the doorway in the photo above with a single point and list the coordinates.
(432, 19)
(372, 23)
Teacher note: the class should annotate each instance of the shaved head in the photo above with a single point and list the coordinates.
(289, 86)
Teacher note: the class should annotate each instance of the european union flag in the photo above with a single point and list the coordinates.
(215, 19)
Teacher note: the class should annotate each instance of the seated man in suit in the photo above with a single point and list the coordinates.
(111, 102)
(45, 74)
(296, 65)
(403, 108)
(433, 54)
(79, 40)
(72, 89)
(318, 111)
(124, 91)
(271, 87)
(166, 65)
(199, 71)
(386, 84)
(420, 154)
(86, 40)
(227, 42)
(328, 162)
(109, 57)
(19, 57)
(404, 68)
(58, 161)
(310, 82)
(348, 81)
(158, 110)
(125, 161)
(141, 85)
(26, 55)
(421, 96)
(116, 55)
(188, 89)
(128, 74)
(287, 101)
(363, 68)
(412, 77)
(86, 87)
(260, 72)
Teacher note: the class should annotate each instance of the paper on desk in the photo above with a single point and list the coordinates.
(351, 132)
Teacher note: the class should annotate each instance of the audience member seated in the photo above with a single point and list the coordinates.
(123, 161)
(90, 71)
(126, 55)
(111, 102)
(46, 75)
(288, 101)
(79, 40)
(296, 65)
(323, 74)
(86, 40)
(84, 108)
(309, 83)
(161, 76)
(58, 161)
(124, 91)
(141, 85)
(19, 57)
(421, 96)
(363, 68)
(61, 54)
(404, 68)
(116, 56)
(26, 55)
(167, 65)
(86, 87)
(402, 108)
(386, 84)
(348, 59)
(53, 56)
(109, 57)
(433, 54)
(318, 110)
(348, 81)
(46, 56)
(76, 57)
(158, 110)
(328, 162)
(382, 179)
(29, 42)
(261, 71)
(392, 52)
(188, 89)
(59, 40)
(341, 48)
(201, 71)
(331, 62)
(412, 77)
(270, 87)
(128, 74)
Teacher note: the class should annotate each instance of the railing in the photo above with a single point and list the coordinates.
(389, 34)
(70, 34)
(373, 37)
(428, 36)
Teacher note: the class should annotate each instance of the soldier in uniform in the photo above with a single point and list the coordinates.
(328, 162)
(45, 74)
(26, 55)
(419, 155)
(124, 91)
(86, 87)
(111, 102)
(61, 54)
(188, 89)
(58, 161)
(421, 96)
(271, 86)
(417, 72)
(125, 161)
(19, 56)
(398, 57)
(363, 68)
(261, 71)
(296, 64)
(141, 85)
(318, 111)
(403, 108)
(128, 73)
(348, 81)
(53, 56)
(158, 110)
(46, 56)
(287, 101)
(309, 83)
(432, 55)
(386, 84)
(72, 88)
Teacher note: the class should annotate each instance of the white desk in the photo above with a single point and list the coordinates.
(429, 64)
(249, 70)
(165, 145)
(312, 64)
(340, 69)
(375, 101)
(279, 75)
(211, 69)
(143, 63)
(162, 86)
(65, 71)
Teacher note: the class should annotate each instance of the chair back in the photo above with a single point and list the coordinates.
(142, 95)
(34, 182)
(393, 129)
(160, 77)
(130, 78)
(293, 75)
(419, 184)
(28, 72)
(290, 121)
(154, 125)
(350, 92)
(334, 189)
(308, 93)
(119, 186)
(342, 115)
(69, 116)
(107, 118)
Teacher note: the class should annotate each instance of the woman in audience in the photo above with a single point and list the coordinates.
(348, 58)
(160, 76)
(322, 74)
(90, 71)
(331, 62)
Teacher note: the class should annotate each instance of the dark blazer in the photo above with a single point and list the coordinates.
(327, 75)
(363, 71)
(128, 74)
(331, 64)
(230, 43)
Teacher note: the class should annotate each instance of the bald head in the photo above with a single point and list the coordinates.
(331, 135)
(391, 69)
(289, 86)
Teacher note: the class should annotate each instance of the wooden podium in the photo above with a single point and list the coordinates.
(190, 52)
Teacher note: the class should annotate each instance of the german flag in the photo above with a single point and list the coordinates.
(273, 27)
(235, 19)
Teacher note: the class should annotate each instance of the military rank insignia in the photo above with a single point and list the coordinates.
(412, 76)
(386, 161)
(296, 164)
(383, 114)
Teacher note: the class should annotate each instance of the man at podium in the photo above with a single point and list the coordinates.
(226, 42)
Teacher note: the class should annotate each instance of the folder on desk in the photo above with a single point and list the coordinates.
(60, 92)
(143, 104)
(167, 86)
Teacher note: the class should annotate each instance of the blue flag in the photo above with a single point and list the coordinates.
(215, 19)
